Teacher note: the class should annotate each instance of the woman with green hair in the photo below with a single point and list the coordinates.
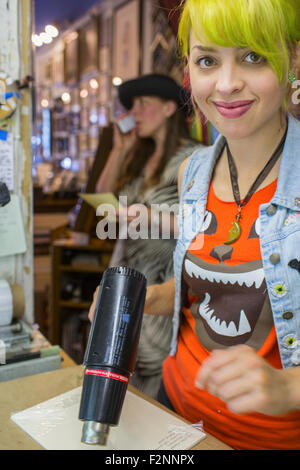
(235, 353)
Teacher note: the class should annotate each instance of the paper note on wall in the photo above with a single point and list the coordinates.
(7, 161)
(12, 233)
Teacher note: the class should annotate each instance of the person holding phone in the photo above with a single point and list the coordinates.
(143, 166)
(235, 297)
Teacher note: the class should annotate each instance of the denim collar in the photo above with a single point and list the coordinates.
(288, 185)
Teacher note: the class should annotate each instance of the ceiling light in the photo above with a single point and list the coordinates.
(37, 41)
(94, 84)
(117, 81)
(52, 31)
(46, 38)
(66, 97)
(44, 103)
(84, 93)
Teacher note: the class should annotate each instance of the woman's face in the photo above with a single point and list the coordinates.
(150, 114)
(235, 88)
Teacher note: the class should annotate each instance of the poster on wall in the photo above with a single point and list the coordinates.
(89, 47)
(71, 58)
(48, 71)
(126, 40)
(58, 67)
(105, 39)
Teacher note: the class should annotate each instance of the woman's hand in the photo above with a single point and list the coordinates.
(123, 143)
(247, 383)
(159, 300)
(93, 306)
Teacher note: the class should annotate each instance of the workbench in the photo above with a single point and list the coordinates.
(19, 394)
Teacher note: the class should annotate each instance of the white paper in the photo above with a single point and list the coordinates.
(12, 233)
(55, 425)
(95, 200)
(7, 161)
(6, 303)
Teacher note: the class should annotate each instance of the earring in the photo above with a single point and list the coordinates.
(292, 77)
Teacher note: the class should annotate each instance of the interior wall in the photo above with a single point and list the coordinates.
(15, 61)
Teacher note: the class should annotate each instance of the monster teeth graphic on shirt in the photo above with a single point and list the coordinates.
(221, 327)
(227, 314)
(248, 279)
(225, 297)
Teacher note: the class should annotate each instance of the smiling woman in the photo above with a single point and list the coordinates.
(236, 336)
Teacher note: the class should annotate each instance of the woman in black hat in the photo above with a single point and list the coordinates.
(143, 166)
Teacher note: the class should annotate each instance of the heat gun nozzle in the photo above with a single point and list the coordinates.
(94, 433)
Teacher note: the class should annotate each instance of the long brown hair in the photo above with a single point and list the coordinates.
(177, 130)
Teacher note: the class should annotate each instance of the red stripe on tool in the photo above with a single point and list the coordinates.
(107, 374)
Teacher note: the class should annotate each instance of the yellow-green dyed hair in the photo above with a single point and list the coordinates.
(268, 27)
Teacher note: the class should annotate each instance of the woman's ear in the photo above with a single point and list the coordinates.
(186, 75)
(170, 108)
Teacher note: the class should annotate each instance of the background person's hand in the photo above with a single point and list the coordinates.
(123, 142)
(93, 306)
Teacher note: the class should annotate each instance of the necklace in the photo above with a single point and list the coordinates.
(235, 232)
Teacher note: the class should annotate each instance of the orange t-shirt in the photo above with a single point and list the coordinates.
(227, 304)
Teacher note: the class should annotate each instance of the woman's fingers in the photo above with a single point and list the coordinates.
(244, 381)
(93, 306)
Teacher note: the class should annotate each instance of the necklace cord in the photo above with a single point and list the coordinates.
(260, 178)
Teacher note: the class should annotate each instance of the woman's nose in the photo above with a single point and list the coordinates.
(135, 108)
(229, 80)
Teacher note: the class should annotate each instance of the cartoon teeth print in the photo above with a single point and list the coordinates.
(226, 288)
(221, 328)
(248, 278)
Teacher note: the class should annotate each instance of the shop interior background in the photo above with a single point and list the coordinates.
(82, 51)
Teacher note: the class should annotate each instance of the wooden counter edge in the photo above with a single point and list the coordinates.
(19, 394)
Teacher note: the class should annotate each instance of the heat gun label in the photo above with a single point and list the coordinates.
(107, 374)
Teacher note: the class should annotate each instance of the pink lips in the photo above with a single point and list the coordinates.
(234, 109)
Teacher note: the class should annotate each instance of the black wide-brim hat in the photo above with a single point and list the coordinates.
(154, 84)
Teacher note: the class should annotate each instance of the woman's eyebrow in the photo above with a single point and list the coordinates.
(211, 49)
(204, 49)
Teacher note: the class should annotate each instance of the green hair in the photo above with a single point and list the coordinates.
(269, 27)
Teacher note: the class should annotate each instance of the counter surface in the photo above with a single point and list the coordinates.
(19, 394)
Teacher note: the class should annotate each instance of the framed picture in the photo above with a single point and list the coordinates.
(105, 33)
(89, 47)
(126, 40)
(104, 59)
(71, 58)
(105, 40)
(58, 67)
(48, 71)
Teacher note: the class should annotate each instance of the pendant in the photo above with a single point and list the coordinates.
(234, 233)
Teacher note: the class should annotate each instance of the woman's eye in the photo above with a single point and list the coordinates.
(205, 62)
(254, 58)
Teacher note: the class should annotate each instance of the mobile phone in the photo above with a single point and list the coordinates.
(126, 123)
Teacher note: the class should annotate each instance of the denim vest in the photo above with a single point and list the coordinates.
(279, 236)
